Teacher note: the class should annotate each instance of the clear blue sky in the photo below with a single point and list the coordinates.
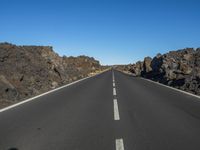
(113, 31)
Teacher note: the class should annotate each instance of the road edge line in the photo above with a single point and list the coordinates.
(178, 90)
(48, 92)
(167, 86)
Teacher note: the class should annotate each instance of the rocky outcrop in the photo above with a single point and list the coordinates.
(7, 90)
(124, 68)
(180, 69)
(26, 71)
(79, 67)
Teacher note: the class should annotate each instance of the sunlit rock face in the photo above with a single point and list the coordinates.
(180, 69)
(30, 70)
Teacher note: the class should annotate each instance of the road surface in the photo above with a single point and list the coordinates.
(111, 111)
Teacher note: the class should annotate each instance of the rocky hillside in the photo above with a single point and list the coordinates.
(26, 71)
(180, 69)
(124, 68)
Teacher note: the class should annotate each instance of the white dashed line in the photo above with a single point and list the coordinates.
(116, 110)
(113, 76)
(119, 144)
(113, 84)
(114, 92)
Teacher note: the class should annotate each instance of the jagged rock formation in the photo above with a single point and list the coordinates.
(124, 68)
(180, 69)
(30, 70)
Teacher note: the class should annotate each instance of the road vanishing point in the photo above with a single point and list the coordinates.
(109, 111)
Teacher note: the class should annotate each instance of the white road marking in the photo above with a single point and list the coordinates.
(113, 76)
(33, 98)
(116, 110)
(113, 79)
(119, 144)
(184, 92)
(178, 90)
(114, 92)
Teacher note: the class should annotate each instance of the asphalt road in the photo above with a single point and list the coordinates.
(111, 111)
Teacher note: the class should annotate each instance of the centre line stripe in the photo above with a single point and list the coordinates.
(114, 92)
(113, 76)
(113, 84)
(116, 110)
(119, 144)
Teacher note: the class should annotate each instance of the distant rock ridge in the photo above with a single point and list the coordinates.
(26, 71)
(180, 69)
